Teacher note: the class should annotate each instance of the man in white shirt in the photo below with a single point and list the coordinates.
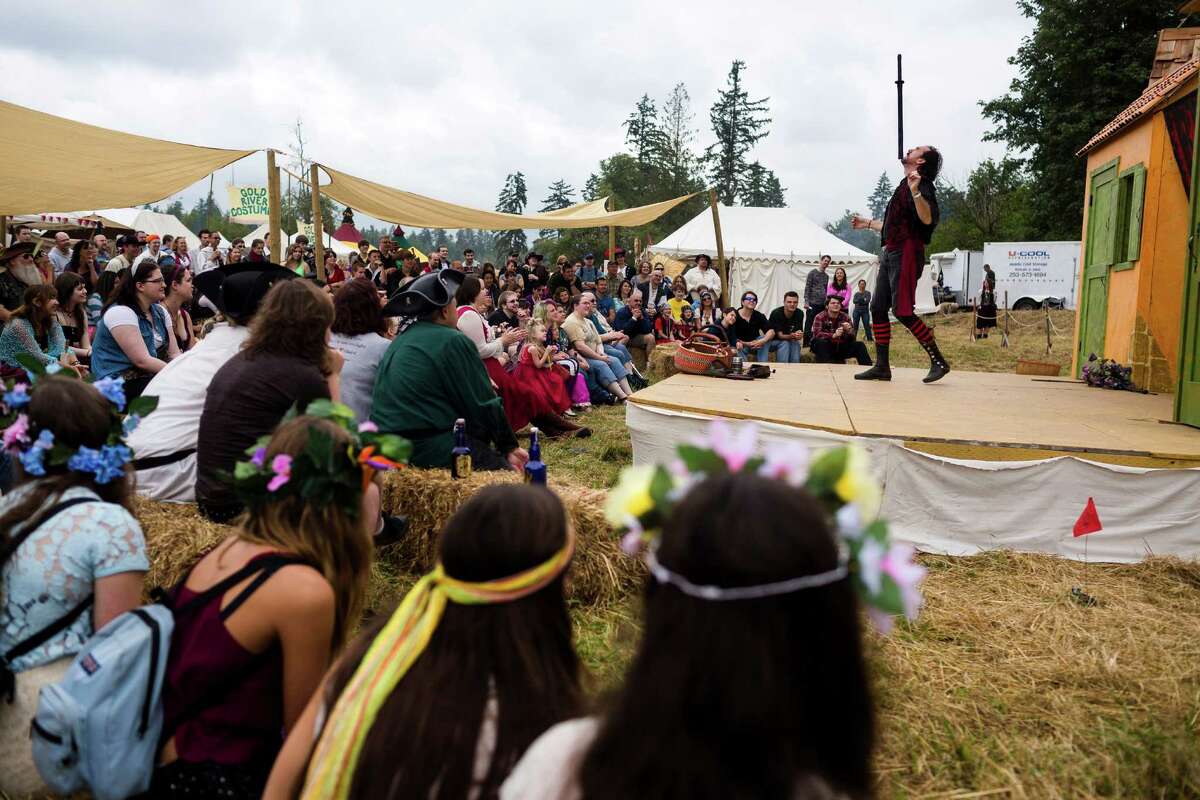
(469, 265)
(702, 276)
(153, 250)
(129, 247)
(164, 444)
(60, 254)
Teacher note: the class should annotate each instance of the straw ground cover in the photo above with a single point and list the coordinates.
(1003, 687)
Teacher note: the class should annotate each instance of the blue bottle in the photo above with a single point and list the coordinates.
(535, 468)
(460, 456)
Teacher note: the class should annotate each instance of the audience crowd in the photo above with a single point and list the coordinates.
(264, 682)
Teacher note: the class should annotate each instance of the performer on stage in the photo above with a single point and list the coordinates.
(906, 228)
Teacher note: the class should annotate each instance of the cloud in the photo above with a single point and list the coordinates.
(449, 102)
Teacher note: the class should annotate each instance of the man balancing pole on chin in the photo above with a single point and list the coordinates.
(906, 228)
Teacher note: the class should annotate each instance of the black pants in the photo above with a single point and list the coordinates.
(486, 458)
(831, 352)
(809, 315)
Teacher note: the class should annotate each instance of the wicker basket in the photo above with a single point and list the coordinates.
(1027, 367)
(700, 350)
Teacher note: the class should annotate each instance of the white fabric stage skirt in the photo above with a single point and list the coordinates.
(961, 507)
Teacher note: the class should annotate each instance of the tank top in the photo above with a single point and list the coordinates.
(221, 702)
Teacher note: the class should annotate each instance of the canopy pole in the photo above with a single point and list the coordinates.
(314, 181)
(721, 268)
(275, 214)
(3, 231)
(612, 232)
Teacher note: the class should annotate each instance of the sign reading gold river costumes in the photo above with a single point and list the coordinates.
(248, 205)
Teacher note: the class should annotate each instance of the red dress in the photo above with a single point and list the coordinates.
(521, 402)
(546, 383)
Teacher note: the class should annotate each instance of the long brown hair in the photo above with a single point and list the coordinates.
(64, 286)
(87, 425)
(356, 309)
(291, 322)
(37, 316)
(518, 654)
(334, 542)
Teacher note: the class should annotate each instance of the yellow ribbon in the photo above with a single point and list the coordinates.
(395, 649)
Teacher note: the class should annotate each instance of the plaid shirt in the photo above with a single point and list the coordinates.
(826, 324)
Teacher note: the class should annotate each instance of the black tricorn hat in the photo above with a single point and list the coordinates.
(429, 292)
(18, 248)
(237, 289)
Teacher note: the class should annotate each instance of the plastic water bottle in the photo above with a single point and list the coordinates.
(460, 456)
(535, 468)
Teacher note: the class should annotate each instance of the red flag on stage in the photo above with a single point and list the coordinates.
(1089, 520)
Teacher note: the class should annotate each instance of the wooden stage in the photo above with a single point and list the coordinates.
(968, 415)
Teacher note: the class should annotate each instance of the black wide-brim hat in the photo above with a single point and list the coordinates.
(237, 289)
(18, 248)
(427, 293)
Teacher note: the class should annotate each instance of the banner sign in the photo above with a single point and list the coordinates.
(248, 205)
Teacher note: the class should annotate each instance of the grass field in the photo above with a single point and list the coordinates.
(1003, 687)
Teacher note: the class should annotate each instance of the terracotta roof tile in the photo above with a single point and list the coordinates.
(1146, 103)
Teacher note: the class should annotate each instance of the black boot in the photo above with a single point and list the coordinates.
(938, 366)
(882, 371)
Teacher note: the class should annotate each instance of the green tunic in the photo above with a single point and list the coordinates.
(430, 376)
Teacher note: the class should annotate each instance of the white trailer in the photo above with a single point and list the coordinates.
(961, 274)
(1032, 273)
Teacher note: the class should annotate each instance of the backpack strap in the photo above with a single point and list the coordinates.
(271, 563)
(269, 566)
(8, 681)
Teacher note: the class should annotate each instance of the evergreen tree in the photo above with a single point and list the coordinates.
(676, 158)
(862, 239)
(880, 195)
(591, 188)
(738, 123)
(1083, 64)
(561, 195)
(762, 188)
(642, 134)
(513, 200)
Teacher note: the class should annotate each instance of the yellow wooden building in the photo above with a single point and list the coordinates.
(1138, 279)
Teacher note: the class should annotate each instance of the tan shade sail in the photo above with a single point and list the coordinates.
(406, 208)
(50, 162)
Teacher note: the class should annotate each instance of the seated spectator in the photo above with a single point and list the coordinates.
(488, 280)
(360, 334)
(34, 331)
(572, 365)
(512, 280)
(103, 253)
(788, 323)
(607, 370)
(59, 254)
(72, 314)
(523, 402)
(686, 326)
(134, 338)
(19, 273)
(295, 261)
(247, 655)
(179, 296)
(567, 279)
(632, 321)
(165, 442)
(615, 342)
(727, 327)
(152, 251)
(182, 257)
(96, 299)
(839, 287)
(129, 248)
(432, 375)
(44, 267)
(677, 303)
(335, 276)
(83, 543)
(536, 366)
(656, 290)
(237, 252)
(83, 264)
(833, 338)
(605, 303)
(562, 295)
(707, 310)
(256, 254)
(506, 311)
(702, 277)
(752, 330)
(467, 689)
(780, 673)
(284, 363)
(588, 271)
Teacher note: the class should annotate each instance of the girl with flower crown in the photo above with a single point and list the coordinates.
(69, 547)
(475, 663)
(270, 606)
(750, 679)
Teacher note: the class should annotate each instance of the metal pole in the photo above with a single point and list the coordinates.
(899, 108)
(1005, 342)
(722, 270)
(275, 213)
(314, 180)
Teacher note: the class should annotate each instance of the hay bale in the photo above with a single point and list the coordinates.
(176, 537)
(661, 363)
(600, 572)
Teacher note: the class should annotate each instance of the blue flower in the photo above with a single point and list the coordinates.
(130, 424)
(113, 390)
(85, 459)
(107, 463)
(17, 397)
(45, 439)
(32, 461)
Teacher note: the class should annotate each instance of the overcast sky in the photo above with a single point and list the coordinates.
(446, 100)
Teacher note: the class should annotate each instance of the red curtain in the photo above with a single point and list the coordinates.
(1180, 117)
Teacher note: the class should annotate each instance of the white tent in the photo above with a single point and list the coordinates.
(341, 248)
(139, 219)
(770, 250)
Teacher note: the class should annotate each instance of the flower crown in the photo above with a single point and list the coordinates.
(38, 450)
(325, 472)
(882, 571)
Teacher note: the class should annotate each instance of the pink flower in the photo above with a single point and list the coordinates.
(281, 465)
(898, 564)
(631, 543)
(16, 434)
(366, 426)
(787, 462)
(735, 446)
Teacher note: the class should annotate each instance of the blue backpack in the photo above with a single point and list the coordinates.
(100, 728)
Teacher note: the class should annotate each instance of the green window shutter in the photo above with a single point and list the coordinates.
(1134, 241)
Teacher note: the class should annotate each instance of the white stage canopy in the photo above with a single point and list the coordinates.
(770, 250)
(341, 248)
(139, 219)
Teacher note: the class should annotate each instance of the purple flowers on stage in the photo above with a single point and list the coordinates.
(1107, 374)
